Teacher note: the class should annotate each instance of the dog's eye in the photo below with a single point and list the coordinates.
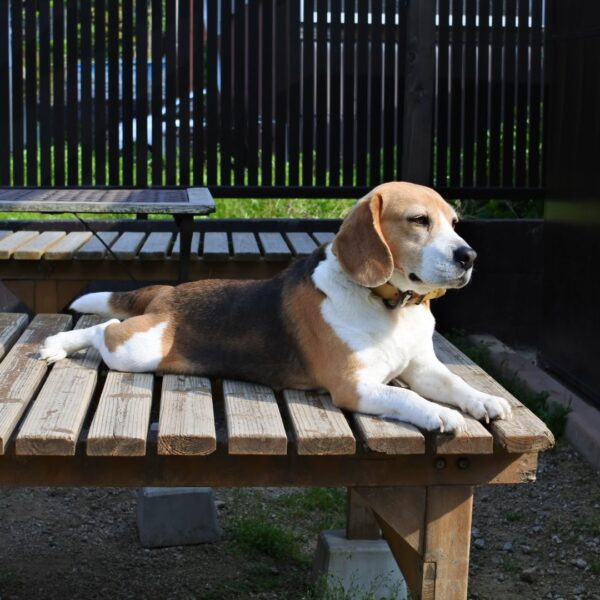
(420, 220)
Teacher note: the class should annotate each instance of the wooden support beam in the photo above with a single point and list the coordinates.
(361, 523)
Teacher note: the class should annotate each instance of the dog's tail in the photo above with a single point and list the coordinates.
(118, 304)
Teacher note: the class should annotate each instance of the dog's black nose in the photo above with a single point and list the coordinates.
(465, 256)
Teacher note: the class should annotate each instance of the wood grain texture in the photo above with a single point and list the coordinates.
(10, 243)
(53, 424)
(34, 249)
(302, 244)
(389, 437)
(186, 423)
(320, 427)
(254, 424)
(156, 246)
(11, 326)
(245, 246)
(127, 246)
(65, 249)
(120, 425)
(524, 432)
(274, 246)
(216, 246)
(21, 371)
(194, 252)
(475, 439)
(95, 249)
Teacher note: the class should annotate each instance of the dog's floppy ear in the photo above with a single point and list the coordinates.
(360, 246)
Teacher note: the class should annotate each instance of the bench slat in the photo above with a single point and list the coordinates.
(302, 244)
(120, 425)
(21, 371)
(319, 426)
(524, 432)
(476, 439)
(66, 248)
(324, 237)
(34, 249)
(389, 437)
(156, 246)
(216, 246)
(94, 249)
(274, 246)
(254, 424)
(127, 246)
(245, 246)
(10, 243)
(186, 424)
(11, 326)
(4, 233)
(54, 422)
(194, 250)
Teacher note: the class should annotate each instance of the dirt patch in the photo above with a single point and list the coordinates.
(530, 541)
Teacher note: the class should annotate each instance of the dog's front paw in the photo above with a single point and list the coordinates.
(486, 407)
(445, 419)
(52, 349)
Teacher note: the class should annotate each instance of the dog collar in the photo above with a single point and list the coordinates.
(392, 297)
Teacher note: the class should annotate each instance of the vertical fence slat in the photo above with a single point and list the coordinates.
(31, 92)
(443, 96)
(267, 95)
(72, 99)
(86, 94)
(535, 101)
(45, 121)
(375, 96)
(183, 91)
(401, 88)
(171, 92)
(335, 106)
(294, 79)
(157, 93)
(509, 94)
(239, 93)
(348, 53)
(321, 95)
(363, 86)
(5, 115)
(212, 115)
(197, 57)
(496, 91)
(141, 92)
(100, 92)
(456, 94)
(253, 43)
(127, 91)
(226, 92)
(280, 86)
(113, 93)
(307, 92)
(521, 79)
(17, 90)
(470, 85)
(389, 76)
(482, 93)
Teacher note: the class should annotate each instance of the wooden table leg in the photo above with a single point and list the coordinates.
(361, 523)
(428, 530)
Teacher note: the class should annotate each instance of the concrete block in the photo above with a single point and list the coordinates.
(359, 568)
(176, 516)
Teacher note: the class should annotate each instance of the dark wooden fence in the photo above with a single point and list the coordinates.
(273, 97)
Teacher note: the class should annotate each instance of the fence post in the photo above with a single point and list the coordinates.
(418, 92)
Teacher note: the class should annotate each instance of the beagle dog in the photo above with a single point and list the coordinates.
(349, 318)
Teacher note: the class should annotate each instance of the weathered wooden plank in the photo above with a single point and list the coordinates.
(11, 326)
(475, 439)
(54, 422)
(245, 246)
(120, 425)
(127, 246)
(4, 233)
(10, 243)
(302, 244)
(254, 424)
(34, 249)
(274, 246)
(21, 371)
(186, 424)
(319, 426)
(216, 246)
(525, 431)
(389, 437)
(156, 246)
(66, 248)
(95, 249)
(324, 237)
(195, 246)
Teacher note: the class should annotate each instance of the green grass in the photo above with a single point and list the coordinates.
(513, 516)
(554, 415)
(260, 534)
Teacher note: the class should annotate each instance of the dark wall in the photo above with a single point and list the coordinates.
(569, 340)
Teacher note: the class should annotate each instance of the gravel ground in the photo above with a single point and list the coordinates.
(529, 541)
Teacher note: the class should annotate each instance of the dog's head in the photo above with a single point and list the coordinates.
(404, 233)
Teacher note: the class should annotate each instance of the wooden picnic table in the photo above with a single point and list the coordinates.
(79, 424)
(182, 204)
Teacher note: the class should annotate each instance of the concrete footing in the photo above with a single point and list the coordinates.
(361, 568)
(176, 516)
